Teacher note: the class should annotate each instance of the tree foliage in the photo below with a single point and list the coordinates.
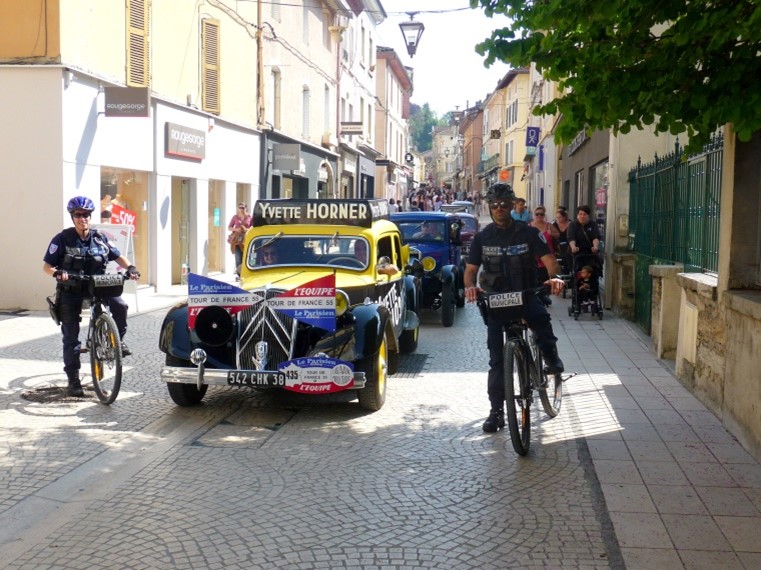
(682, 66)
(421, 122)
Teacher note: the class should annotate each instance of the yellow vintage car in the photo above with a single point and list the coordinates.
(328, 300)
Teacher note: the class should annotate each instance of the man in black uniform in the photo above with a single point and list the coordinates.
(507, 249)
(84, 251)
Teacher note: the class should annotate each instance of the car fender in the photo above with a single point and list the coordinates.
(371, 322)
(411, 293)
(448, 274)
(174, 337)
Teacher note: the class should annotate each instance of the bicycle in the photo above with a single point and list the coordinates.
(103, 340)
(524, 369)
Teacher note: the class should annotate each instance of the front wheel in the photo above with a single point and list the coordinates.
(447, 305)
(106, 358)
(517, 397)
(373, 395)
(184, 394)
(551, 393)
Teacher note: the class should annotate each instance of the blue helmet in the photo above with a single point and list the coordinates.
(80, 203)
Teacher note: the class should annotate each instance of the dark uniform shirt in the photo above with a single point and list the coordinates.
(508, 256)
(73, 254)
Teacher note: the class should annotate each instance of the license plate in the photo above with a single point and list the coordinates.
(501, 300)
(255, 378)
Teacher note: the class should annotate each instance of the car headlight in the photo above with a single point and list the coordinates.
(429, 263)
(342, 302)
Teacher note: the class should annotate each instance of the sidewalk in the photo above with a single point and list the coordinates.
(680, 490)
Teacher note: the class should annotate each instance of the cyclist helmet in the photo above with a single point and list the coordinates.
(500, 191)
(80, 203)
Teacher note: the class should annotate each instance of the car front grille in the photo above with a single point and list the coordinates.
(258, 323)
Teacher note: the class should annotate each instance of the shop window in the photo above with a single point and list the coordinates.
(138, 43)
(210, 66)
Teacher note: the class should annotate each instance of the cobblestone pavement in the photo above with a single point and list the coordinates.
(270, 480)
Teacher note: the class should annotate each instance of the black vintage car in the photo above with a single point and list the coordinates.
(327, 303)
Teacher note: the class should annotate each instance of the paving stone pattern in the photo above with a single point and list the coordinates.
(274, 480)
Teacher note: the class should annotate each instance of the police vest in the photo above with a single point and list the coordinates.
(88, 257)
(507, 260)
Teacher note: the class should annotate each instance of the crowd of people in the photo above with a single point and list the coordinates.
(429, 199)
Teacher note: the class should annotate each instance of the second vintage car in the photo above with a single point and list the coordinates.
(436, 235)
(326, 303)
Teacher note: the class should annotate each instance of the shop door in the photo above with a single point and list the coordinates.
(217, 227)
(180, 230)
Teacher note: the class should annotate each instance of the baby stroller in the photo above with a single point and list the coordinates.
(565, 261)
(585, 286)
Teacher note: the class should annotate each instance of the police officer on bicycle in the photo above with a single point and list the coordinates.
(82, 250)
(507, 250)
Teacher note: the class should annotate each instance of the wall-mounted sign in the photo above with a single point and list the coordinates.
(127, 101)
(185, 142)
(286, 156)
(532, 140)
(351, 128)
(408, 157)
(495, 134)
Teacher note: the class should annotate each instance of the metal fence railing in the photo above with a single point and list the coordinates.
(674, 215)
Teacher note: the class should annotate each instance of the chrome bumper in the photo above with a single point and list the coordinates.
(217, 377)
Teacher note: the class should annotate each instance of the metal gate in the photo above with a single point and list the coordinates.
(674, 217)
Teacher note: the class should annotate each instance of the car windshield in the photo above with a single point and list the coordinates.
(350, 252)
(470, 223)
(422, 231)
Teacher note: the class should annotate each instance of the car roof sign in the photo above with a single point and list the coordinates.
(360, 213)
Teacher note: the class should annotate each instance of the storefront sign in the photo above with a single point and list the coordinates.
(286, 156)
(351, 128)
(185, 142)
(349, 163)
(127, 101)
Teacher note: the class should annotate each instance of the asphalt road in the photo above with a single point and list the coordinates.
(256, 479)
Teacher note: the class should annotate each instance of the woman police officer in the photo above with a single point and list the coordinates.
(85, 251)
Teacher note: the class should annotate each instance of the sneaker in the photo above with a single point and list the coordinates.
(125, 350)
(552, 362)
(74, 388)
(495, 421)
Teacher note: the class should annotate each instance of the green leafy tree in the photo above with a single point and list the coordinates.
(421, 122)
(680, 66)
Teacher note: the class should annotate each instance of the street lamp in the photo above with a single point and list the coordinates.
(411, 31)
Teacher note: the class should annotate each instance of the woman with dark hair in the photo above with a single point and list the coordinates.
(583, 234)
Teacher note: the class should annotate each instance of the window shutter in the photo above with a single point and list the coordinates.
(210, 68)
(138, 43)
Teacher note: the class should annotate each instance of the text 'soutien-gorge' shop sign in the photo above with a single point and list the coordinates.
(185, 142)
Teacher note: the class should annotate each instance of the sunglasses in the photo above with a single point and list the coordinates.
(503, 205)
(81, 214)
(269, 254)
(539, 214)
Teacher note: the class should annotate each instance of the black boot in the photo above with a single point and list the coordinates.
(552, 361)
(495, 421)
(125, 349)
(74, 388)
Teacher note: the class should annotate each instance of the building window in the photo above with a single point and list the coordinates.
(275, 6)
(305, 102)
(210, 66)
(326, 109)
(275, 104)
(138, 44)
(305, 23)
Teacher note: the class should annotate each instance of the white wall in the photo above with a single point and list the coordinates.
(32, 190)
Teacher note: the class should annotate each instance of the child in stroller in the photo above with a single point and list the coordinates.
(586, 291)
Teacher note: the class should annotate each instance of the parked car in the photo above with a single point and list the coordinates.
(326, 303)
(458, 206)
(436, 235)
(471, 226)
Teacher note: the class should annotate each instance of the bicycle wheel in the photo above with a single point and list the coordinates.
(106, 358)
(517, 397)
(550, 385)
